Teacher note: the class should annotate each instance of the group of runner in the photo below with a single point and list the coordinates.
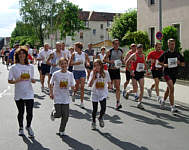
(67, 69)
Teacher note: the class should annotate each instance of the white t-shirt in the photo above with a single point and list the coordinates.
(23, 89)
(44, 55)
(62, 82)
(30, 51)
(99, 89)
(79, 58)
(66, 54)
(101, 57)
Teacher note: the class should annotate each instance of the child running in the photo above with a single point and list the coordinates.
(60, 83)
(100, 81)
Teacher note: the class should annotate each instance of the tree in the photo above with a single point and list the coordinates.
(40, 13)
(170, 32)
(137, 37)
(23, 33)
(124, 23)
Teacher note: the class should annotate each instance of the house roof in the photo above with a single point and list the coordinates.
(96, 16)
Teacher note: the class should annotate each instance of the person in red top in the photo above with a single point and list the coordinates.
(156, 69)
(128, 68)
(138, 70)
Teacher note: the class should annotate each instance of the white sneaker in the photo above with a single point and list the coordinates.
(93, 126)
(101, 122)
(30, 131)
(42, 89)
(140, 106)
(62, 133)
(149, 92)
(21, 132)
(174, 110)
(159, 99)
(82, 105)
(162, 104)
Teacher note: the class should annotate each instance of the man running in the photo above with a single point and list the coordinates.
(115, 58)
(128, 69)
(45, 68)
(170, 60)
(156, 69)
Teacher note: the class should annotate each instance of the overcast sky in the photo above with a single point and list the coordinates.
(9, 10)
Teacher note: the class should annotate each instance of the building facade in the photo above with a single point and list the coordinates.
(174, 13)
(97, 25)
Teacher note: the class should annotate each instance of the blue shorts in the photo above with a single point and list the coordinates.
(79, 74)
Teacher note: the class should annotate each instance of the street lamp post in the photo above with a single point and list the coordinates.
(160, 15)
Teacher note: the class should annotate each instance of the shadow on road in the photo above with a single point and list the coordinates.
(41, 97)
(33, 144)
(122, 144)
(145, 119)
(36, 105)
(79, 115)
(74, 144)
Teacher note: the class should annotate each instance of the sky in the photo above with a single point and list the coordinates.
(9, 10)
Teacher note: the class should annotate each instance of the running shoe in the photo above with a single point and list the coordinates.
(21, 132)
(159, 99)
(162, 104)
(140, 106)
(174, 110)
(62, 133)
(93, 126)
(136, 97)
(30, 131)
(42, 89)
(149, 92)
(82, 105)
(118, 106)
(101, 122)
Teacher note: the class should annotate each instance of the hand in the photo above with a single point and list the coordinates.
(77, 63)
(166, 65)
(110, 86)
(94, 73)
(147, 73)
(51, 96)
(33, 80)
(88, 65)
(178, 62)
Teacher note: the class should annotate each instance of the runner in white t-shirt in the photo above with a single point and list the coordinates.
(45, 68)
(60, 83)
(99, 80)
(22, 75)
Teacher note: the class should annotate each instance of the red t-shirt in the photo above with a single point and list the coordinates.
(154, 55)
(139, 59)
(129, 64)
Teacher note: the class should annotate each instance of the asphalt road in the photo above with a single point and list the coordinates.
(127, 129)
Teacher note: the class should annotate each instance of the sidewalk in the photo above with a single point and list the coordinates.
(181, 91)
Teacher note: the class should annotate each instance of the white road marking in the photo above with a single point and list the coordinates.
(4, 92)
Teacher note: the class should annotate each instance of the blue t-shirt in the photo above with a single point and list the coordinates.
(11, 55)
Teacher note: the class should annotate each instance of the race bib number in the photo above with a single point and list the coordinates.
(118, 63)
(140, 67)
(63, 84)
(172, 62)
(157, 65)
(91, 58)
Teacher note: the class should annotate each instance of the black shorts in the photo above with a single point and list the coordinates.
(91, 66)
(128, 75)
(45, 69)
(138, 75)
(157, 74)
(169, 77)
(114, 74)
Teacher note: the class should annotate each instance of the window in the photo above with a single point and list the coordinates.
(152, 2)
(102, 37)
(152, 36)
(108, 23)
(101, 26)
(86, 23)
(177, 26)
(94, 31)
(81, 35)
